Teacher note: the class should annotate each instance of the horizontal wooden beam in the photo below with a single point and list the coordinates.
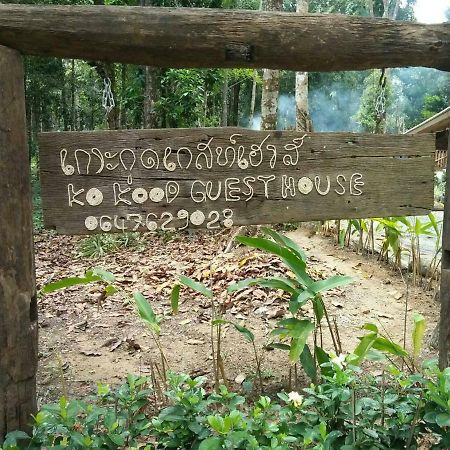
(185, 37)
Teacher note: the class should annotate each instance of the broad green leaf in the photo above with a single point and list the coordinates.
(296, 264)
(417, 334)
(296, 349)
(365, 344)
(146, 312)
(285, 241)
(385, 345)
(308, 363)
(270, 282)
(196, 286)
(117, 439)
(216, 423)
(244, 331)
(443, 420)
(434, 223)
(321, 355)
(330, 283)
(175, 298)
(104, 274)
(110, 290)
(370, 327)
(318, 307)
(211, 443)
(279, 346)
(298, 330)
(298, 300)
(69, 282)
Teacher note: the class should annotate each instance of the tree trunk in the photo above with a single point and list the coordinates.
(123, 93)
(235, 112)
(73, 111)
(253, 100)
(18, 304)
(225, 95)
(302, 120)
(271, 84)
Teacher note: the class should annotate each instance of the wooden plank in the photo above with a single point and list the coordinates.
(444, 321)
(18, 307)
(173, 178)
(188, 37)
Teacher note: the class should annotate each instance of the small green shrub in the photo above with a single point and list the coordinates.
(347, 411)
(99, 245)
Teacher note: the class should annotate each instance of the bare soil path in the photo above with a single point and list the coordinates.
(83, 342)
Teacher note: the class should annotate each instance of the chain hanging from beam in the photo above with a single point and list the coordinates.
(108, 98)
(380, 103)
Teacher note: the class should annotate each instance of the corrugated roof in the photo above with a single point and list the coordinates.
(438, 122)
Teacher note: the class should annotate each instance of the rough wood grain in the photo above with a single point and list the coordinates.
(313, 177)
(444, 321)
(18, 308)
(187, 37)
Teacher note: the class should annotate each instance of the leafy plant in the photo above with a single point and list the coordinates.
(346, 411)
(152, 321)
(301, 288)
(99, 245)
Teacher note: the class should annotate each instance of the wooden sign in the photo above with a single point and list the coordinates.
(129, 180)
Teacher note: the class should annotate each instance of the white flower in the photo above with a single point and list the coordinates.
(339, 361)
(296, 399)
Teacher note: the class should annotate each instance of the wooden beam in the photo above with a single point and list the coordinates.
(18, 306)
(187, 37)
(444, 321)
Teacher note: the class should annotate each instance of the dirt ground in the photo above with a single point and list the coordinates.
(83, 342)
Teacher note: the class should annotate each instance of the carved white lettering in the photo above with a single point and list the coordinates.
(340, 184)
(118, 193)
(287, 186)
(73, 195)
(305, 185)
(317, 182)
(156, 195)
(91, 223)
(230, 190)
(266, 180)
(355, 182)
(197, 217)
(139, 195)
(94, 196)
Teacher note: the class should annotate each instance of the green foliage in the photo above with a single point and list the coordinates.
(301, 289)
(98, 245)
(433, 104)
(347, 411)
(96, 274)
(38, 223)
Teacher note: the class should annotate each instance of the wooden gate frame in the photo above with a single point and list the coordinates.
(164, 37)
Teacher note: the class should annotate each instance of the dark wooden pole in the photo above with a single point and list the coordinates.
(18, 308)
(188, 37)
(444, 321)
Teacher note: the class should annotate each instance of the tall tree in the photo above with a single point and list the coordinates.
(271, 84)
(302, 120)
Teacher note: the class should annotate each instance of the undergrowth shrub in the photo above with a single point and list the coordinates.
(347, 410)
(99, 245)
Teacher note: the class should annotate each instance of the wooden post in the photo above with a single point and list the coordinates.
(444, 321)
(18, 307)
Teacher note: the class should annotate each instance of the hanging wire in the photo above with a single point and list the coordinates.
(108, 97)
(380, 103)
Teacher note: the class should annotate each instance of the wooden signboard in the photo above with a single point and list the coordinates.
(129, 180)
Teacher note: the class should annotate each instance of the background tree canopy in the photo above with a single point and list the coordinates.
(67, 94)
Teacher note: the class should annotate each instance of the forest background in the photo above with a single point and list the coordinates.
(65, 94)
